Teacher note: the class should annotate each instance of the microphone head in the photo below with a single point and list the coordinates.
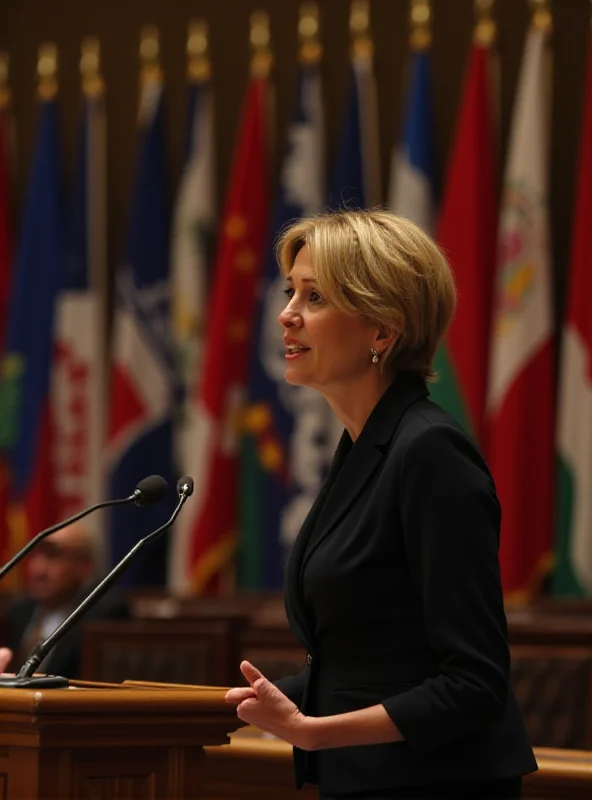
(185, 486)
(150, 490)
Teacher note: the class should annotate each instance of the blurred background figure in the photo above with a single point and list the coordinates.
(61, 572)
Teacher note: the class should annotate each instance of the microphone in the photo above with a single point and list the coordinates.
(185, 486)
(25, 678)
(148, 491)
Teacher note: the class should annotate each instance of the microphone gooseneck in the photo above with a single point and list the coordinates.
(149, 490)
(25, 678)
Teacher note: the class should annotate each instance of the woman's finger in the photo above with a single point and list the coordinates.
(5, 658)
(250, 672)
(239, 694)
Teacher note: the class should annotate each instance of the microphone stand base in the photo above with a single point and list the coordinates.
(33, 682)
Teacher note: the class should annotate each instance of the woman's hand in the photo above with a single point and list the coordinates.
(5, 658)
(263, 705)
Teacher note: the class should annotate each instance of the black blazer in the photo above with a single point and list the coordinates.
(65, 658)
(393, 586)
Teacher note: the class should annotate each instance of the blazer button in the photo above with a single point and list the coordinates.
(308, 659)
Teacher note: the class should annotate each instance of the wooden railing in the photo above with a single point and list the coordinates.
(255, 768)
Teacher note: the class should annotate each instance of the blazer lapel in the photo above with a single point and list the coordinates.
(366, 456)
(293, 596)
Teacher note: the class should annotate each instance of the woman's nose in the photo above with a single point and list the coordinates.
(288, 317)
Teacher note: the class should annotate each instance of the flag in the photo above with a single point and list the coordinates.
(356, 173)
(207, 546)
(520, 390)
(191, 255)
(284, 454)
(24, 390)
(5, 220)
(467, 233)
(355, 181)
(191, 252)
(573, 569)
(142, 385)
(412, 185)
(5, 282)
(78, 377)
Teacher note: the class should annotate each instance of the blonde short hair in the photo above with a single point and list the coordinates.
(385, 268)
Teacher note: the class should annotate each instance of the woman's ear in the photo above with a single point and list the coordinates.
(385, 337)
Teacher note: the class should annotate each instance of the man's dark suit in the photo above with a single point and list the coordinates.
(65, 658)
(393, 587)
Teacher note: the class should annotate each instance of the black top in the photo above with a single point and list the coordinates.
(393, 586)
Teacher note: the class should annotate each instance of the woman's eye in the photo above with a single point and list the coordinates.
(315, 297)
(289, 293)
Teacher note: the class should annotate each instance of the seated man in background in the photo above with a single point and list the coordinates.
(60, 573)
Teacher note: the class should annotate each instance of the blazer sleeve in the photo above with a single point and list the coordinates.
(451, 517)
(293, 686)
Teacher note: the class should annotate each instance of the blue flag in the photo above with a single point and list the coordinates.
(412, 189)
(24, 407)
(142, 381)
(284, 451)
(355, 181)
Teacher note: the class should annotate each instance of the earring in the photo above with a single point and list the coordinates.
(374, 352)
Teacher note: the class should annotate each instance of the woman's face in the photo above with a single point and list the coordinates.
(326, 348)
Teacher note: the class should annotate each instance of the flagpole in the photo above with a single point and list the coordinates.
(199, 67)
(485, 36)
(362, 56)
(310, 51)
(47, 69)
(260, 65)
(542, 21)
(90, 67)
(420, 23)
(359, 26)
(149, 54)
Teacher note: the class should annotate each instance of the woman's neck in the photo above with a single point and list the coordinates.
(353, 404)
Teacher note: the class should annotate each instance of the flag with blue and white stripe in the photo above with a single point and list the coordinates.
(412, 187)
(142, 378)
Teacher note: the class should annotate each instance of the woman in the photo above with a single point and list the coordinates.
(393, 583)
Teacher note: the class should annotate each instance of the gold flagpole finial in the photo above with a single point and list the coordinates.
(150, 54)
(308, 34)
(259, 37)
(542, 19)
(485, 27)
(359, 28)
(90, 67)
(47, 71)
(4, 90)
(199, 67)
(420, 21)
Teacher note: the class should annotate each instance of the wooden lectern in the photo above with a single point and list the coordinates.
(110, 741)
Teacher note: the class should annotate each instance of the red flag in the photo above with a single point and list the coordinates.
(467, 233)
(206, 539)
(520, 403)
